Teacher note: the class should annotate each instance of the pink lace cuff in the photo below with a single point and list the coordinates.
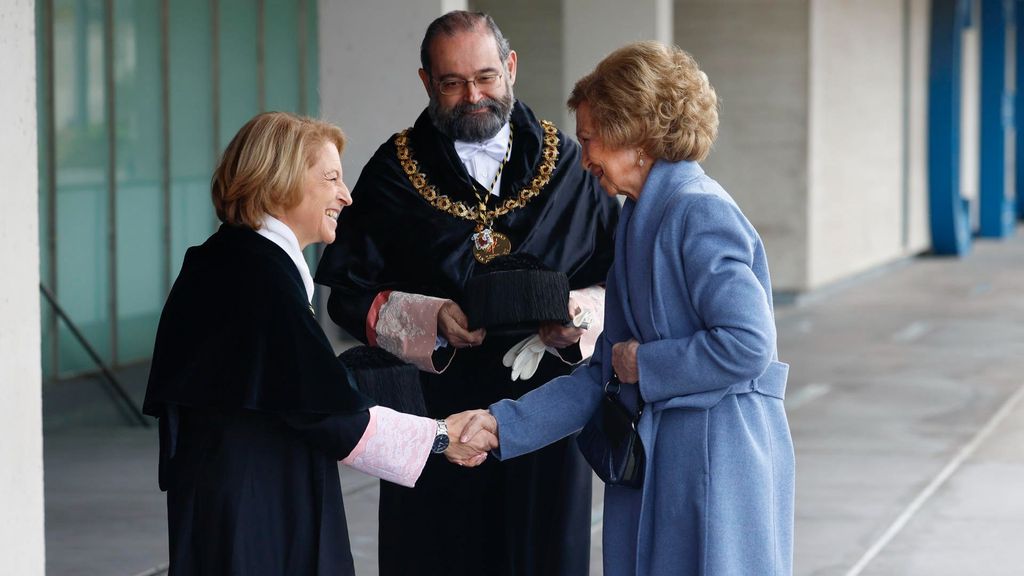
(394, 446)
(590, 298)
(407, 327)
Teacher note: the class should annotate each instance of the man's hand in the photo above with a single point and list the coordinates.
(454, 326)
(624, 361)
(560, 336)
(467, 448)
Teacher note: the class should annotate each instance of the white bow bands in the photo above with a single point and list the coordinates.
(494, 148)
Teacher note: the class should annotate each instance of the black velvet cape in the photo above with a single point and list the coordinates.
(255, 411)
(530, 515)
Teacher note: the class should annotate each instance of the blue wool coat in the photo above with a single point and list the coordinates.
(690, 283)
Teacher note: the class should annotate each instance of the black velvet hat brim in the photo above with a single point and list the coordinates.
(385, 379)
(516, 300)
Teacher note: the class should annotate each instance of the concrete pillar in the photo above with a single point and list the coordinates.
(857, 140)
(757, 59)
(806, 106)
(557, 42)
(918, 230)
(21, 433)
(593, 28)
(533, 29)
(369, 55)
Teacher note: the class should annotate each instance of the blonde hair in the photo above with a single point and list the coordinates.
(654, 96)
(263, 167)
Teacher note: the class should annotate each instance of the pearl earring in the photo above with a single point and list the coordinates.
(640, 158)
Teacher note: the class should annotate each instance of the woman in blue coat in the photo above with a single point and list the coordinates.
(689, 323)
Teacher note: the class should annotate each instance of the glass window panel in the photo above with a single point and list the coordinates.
(82, 180)
(312, 63)
(281, 48)
(139, 172)
(311, 107)
(79, 136)
(238, 72)
(192, 151)
(45, 229)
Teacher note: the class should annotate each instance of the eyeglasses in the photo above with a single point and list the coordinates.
(450, 86)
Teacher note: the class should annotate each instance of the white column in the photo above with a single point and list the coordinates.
(534, 30)
(369, 57)
(21, 432)
(593, 28)
(756, 54)
(855, 214)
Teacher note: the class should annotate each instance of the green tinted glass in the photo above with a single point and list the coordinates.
(281, 77)
(238, 71)
(126, 152)
(138, 124)
(45, 131)
(82, 179)
(192, 151)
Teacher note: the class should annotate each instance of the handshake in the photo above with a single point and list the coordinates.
(471, 435)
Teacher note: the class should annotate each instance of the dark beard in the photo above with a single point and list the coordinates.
(458, 124)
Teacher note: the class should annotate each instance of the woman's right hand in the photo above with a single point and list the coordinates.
(454, 326)
(624, 361)
(478, 428)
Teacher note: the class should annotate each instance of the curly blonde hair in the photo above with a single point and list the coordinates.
(262, 169)
(654, 96)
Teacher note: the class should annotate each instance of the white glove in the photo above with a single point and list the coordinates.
(525, 356)
(525, 364)
(582, 319)
(510, 357)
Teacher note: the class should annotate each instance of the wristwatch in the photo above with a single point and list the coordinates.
(441, 438)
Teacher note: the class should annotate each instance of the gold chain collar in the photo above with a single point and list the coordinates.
(457, 208)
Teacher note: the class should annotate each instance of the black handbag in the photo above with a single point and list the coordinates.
(610, 441)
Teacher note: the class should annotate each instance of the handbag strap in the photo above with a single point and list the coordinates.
(612, 387)
(611, 391)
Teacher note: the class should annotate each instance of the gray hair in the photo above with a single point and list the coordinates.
(458, 21)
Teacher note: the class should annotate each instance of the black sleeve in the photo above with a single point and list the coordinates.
(360, 262)
(349, 309)
(335, 434)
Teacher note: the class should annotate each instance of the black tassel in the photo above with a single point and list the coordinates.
(386, 379)
(514, 294)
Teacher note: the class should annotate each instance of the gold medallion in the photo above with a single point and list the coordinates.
(488, 245)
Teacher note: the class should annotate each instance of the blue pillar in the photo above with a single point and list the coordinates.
(948, 210)
(995, 210)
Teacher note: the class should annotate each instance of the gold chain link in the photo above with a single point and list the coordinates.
(456, 208)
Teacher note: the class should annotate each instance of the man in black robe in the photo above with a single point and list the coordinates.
(426, 212)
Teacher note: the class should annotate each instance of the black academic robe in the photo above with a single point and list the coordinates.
(529, 515)
(255, 411)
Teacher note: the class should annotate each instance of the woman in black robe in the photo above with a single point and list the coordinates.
(254, 408)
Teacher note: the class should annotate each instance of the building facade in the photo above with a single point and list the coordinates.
(854, 134)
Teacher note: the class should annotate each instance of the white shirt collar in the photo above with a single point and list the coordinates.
(279, 233)
(482, 159)
(494, 147)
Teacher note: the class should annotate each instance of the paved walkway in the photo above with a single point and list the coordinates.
(905, 402)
